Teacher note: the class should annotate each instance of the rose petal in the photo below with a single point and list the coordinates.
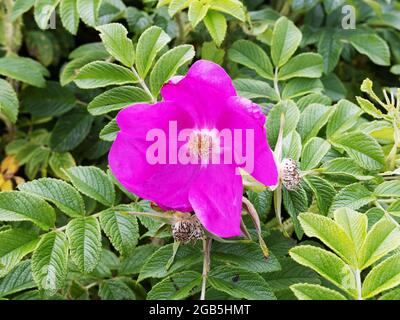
(216, 198)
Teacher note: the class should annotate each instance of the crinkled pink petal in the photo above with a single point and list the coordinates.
(216, 198)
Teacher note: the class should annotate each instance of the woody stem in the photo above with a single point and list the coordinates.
(206, 266)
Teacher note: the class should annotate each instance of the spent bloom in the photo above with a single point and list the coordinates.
(184, 153)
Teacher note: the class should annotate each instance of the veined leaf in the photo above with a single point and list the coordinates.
(312, 119)
(313, 152)
(19, 279)
(115, 289)
(69, 15)
(43, 10)
(388, 189)
(216, 25)
(324, 192)
(353, 196)
(88, 11)
(305, 65)
(9, 103)
(305, 291)
(23, 69)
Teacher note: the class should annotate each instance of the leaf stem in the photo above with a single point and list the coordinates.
(276, 85)
(357, 274)
(206, 266)
(143, 84)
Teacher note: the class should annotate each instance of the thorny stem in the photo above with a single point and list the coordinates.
(206, 266)
(144, 85)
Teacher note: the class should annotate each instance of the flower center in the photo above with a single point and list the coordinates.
(202, 143)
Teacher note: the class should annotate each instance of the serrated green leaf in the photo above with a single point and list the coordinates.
(353, 196)
(291, 146)
(300, 86)
(383, 238)
(313, 152)
(116, 41)
(285, 41)
(110, 130)
(98, 74)
(19, 279)
(15, 244)
(324, 192)
(43, 11)
(168, 65)
(115, 289)
(384, 276)
(197, 12)
(252, 89)
(23, 69)
(63, 195)
(368, 107)
(92, 182)
(116, 99)
(363, 149)
(149, 44)
(122, 230)
(9, 104)
(134, 262)
(176, 6)
(343, 118)
(20, 7)
(344, 166)
(240, 283)
(330, 48)
(85, 242)
(388, 189)
(70, 130)
(69, 15)
(328, 265)
(176, 287)
(20, 206)
(305, 291)
(305, 65)
(331, 234)
(216, 25)
(233, 7)
(61, 161)
(50, 261)
(88, 11)
(312, 119)
(252, 56)
(295, 202)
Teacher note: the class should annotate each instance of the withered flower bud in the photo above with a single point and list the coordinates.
(187, 230)
(290, 175)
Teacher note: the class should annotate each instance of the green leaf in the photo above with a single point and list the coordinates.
(168, 65)
(149, 44)
(197, 12)
(388, 189)
(63, 195)
(324, 192)
(19, 279)
(9, 103)
(176, 6)
(116, 99)
(43, 10)
(53, 100)
(344, 166)
(330, 48)
(117, 43)
(233, 7)
(209, 51)
(122, 230)
(291, 146)
(306, 65)
(252, 56)
(318, 98)
(70, 130)
(110, 130)
(216, 25)
(334, 87)
(295, 202)
(50, 261)
(285, 41)
(251, 89)
(85, 242)
(330, 233)
(20, 206)
(383, 237)
(176, 287)
(368, 107)
(15, 244)
(98, 74)
(384, 276)
(363, 149)
(88, 11)
(69, 15)
(305, 291)
(394, 208)
(372, 46)
(23, 69)
(59, 162)
(92, 182)
(240, 283)
(313, 152)
(20, 7)
(354, 223)
(292, 115)
(343, 118)
(391, 295)
(291, 273)
(41, 46)
(134, 262)
(156, 265)
(301, 86)
(245, 256)
(312, 119)
(115, 289)
(327, 264)
(353, 196)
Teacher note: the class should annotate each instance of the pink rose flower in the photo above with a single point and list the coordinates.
(184, 152)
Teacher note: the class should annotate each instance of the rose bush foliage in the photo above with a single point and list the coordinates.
(326, 76)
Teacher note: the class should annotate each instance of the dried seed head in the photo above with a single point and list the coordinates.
(290, 175)
(187, 230)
